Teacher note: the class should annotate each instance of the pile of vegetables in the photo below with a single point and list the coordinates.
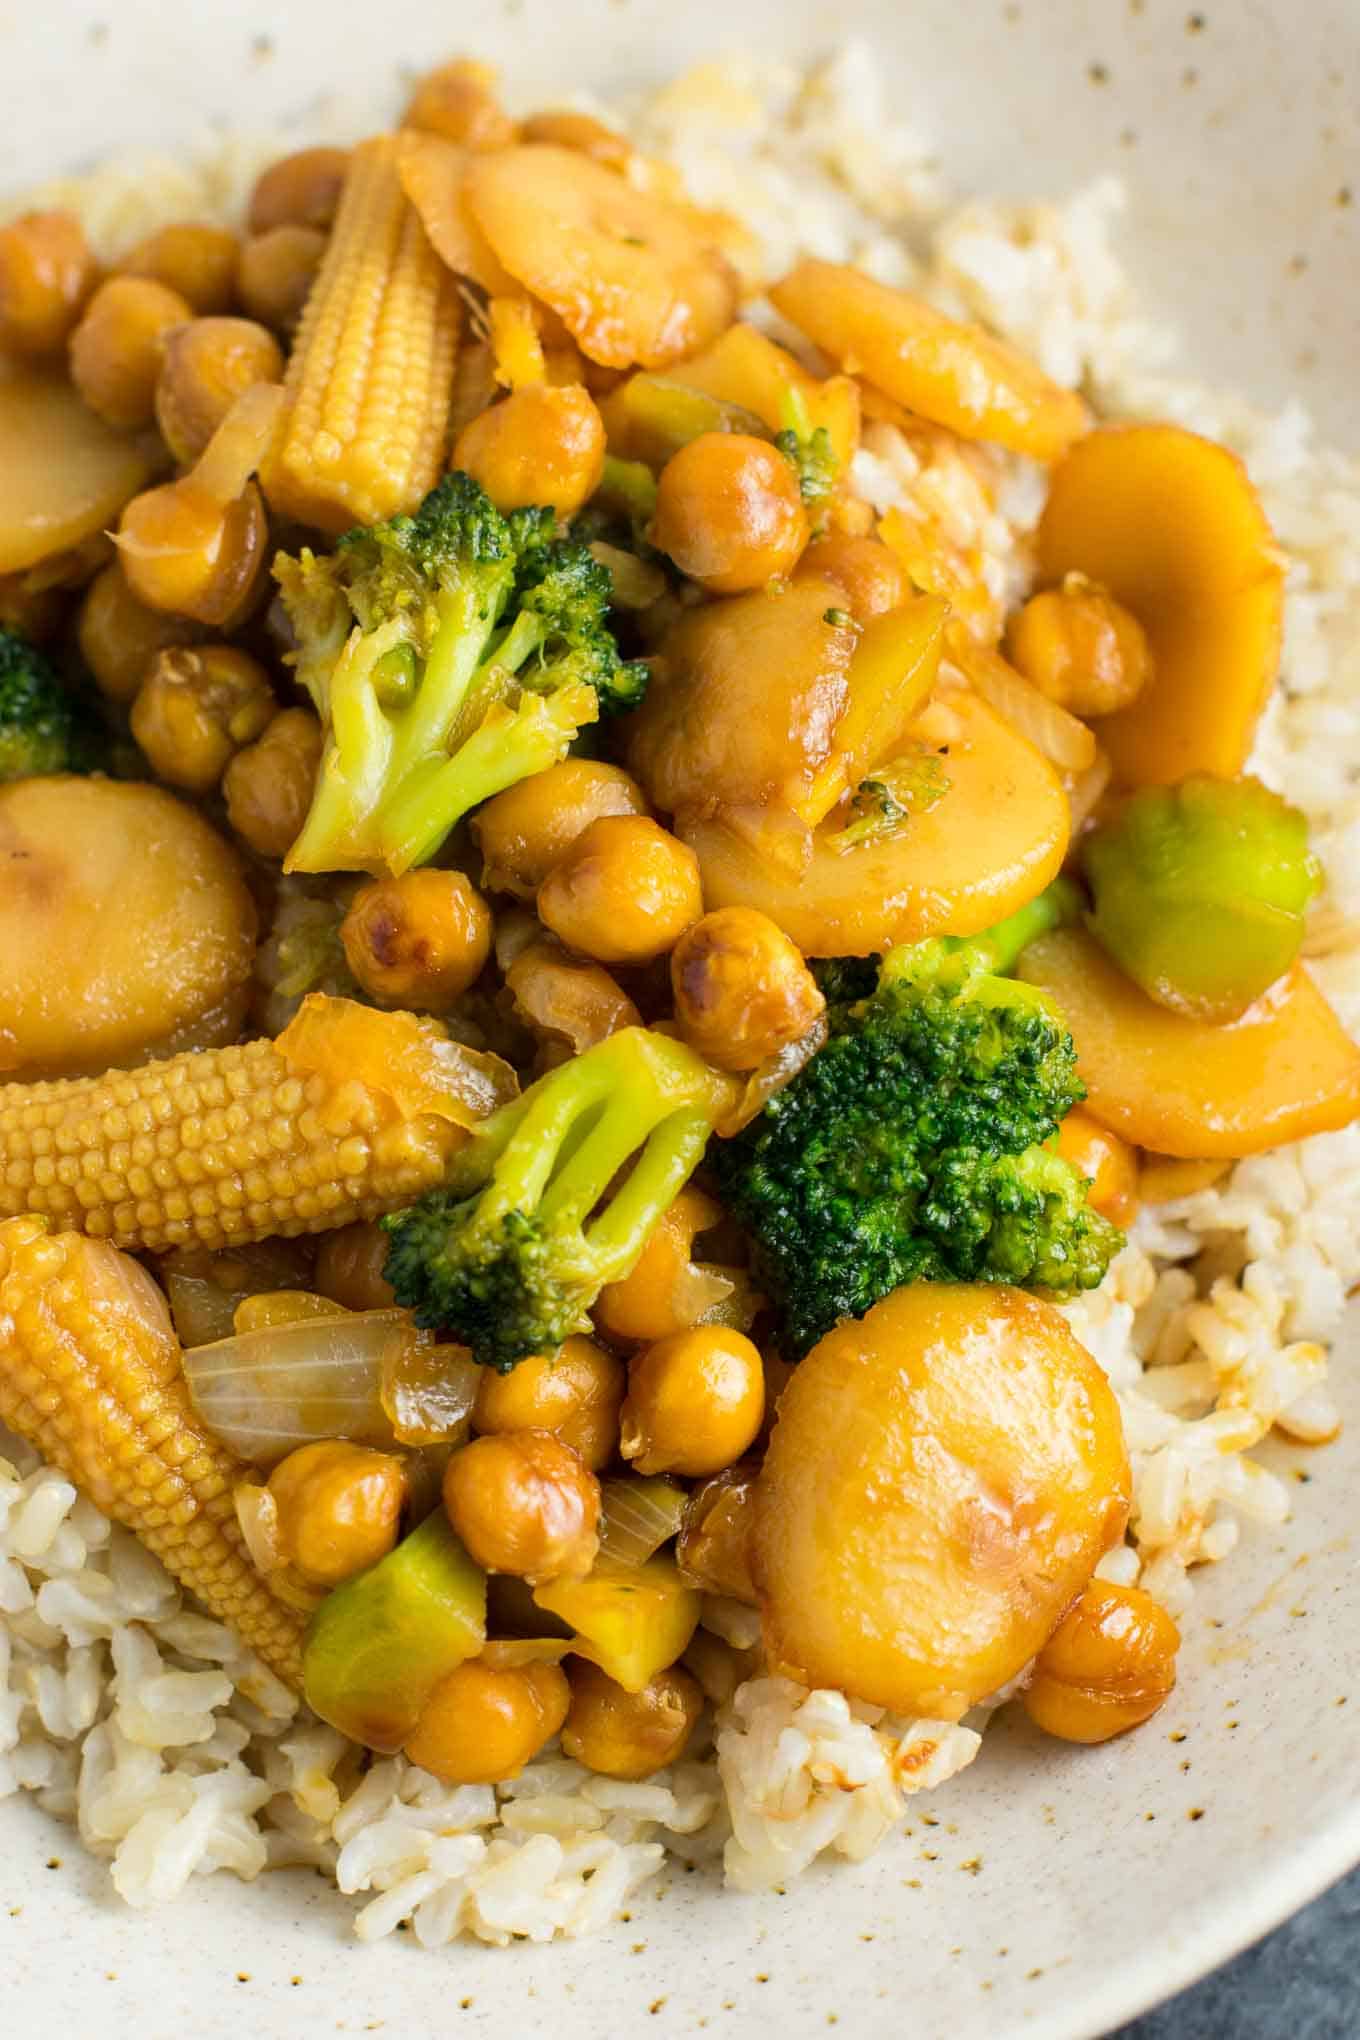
(723, 978)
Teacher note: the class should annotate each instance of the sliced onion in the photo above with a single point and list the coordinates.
(427, 1390)
(404, 1057)
(258, 1515)
(741, 1304)
(555, 993)
(772, 1075)
(1086, 789)
(201, 1310)
(638, 1516)
(697, 1291)
(205, 1287)
(517, 929)
(265, 1393)
(1063, 738)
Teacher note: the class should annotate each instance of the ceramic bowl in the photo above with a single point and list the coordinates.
(1062, 1890)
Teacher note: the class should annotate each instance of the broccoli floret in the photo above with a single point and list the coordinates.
(912, 1147)
(41, 729)
(884, 803)
(513, 1251)
(808, 447)
(450, 653)
(563, 596)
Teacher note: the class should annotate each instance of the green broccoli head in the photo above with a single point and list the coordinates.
(450, 653)
(563, 596)
(1022, 1219)
(512, 1253)
(39, 727)
(911, 1148)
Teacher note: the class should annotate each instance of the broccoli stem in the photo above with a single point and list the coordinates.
(672, 1154)
(999, 948)
(352, 777)
(521, 641)
(638, 1111)
(508, 745)
(541, 1126)
(465, 629)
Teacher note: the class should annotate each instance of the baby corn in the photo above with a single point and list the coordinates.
(370, 380)
(349, 1114)
(90, 1375)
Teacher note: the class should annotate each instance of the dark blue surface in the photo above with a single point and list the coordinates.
(1301, 1983)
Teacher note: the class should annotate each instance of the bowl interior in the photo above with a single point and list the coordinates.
(1050, 1890)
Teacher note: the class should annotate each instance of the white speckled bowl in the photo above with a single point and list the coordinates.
(1064, 1890)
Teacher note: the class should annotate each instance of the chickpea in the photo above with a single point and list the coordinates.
(349, 1267)
(524, 1503)
(268, 786)
(714, 1551)
(729, 512)
(196, 708)
(483, 1723)
(523, 831)
(1109, 1164)
(117, 348)
(197, 546)
(1081, 648)
(419, 940)
(575, 1393)
(120, 636)
(276, 274)
(695, 1402)
(183, 550)
(868, 574)
(538, 445)
(1109, 1665)
(625, 891)
(569, 130)
(46, 273)
(664, 1291)
(742, 990)
(207, 365)
(197, 260)
(458, 101)
(300, 190)
(339, 1506)
(629, 1735)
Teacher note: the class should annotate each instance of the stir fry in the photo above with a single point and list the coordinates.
(578, 994)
